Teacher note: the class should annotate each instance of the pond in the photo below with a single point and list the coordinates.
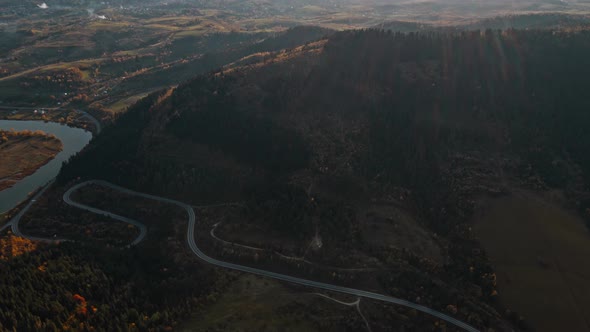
(73, 140)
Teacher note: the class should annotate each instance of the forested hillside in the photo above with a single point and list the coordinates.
(84, 288)
(403, 101)
(337, 138)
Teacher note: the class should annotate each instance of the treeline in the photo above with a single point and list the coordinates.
(283, 208)
(385, 109)
(86, 288)
(418, 98)
(428, 95)
(116, 149)
(423, 85)
(6, 135)
(219, 122)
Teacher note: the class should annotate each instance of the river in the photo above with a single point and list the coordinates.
(73, 140)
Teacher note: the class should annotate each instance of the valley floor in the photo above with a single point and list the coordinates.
(540, 252)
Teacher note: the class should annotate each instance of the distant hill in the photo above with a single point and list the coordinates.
(516, 21)
(404, 26)
(219, 50)
(532, 21)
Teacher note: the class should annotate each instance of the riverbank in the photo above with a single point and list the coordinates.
(72, 139)
(69, 117)
(23, 153)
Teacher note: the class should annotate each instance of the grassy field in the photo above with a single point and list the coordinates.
(253, 303)
(23, 155)
(540, 252)
(121, 105)
(53, 67)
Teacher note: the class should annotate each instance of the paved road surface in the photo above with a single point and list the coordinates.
(193, 246)
(16, 219)
(68, 200)
(14, 222)
(93, 119)
(5, 226)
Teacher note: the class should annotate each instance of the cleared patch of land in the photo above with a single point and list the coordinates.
(22, 153)
(540, 252)
(121, 105)
(252, 303)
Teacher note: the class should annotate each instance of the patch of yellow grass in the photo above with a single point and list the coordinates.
(12, 246)
(121, 105)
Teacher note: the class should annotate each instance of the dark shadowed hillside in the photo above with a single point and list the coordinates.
(396, 98)
(295, 165)
(342, 150)
(360, 134)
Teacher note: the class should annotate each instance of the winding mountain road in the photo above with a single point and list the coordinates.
(5, 227)
(92, 119)
(16, 219)
(356, 304)
(195, 249)
(68, 200)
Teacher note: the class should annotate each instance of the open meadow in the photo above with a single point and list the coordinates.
(540, 252)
